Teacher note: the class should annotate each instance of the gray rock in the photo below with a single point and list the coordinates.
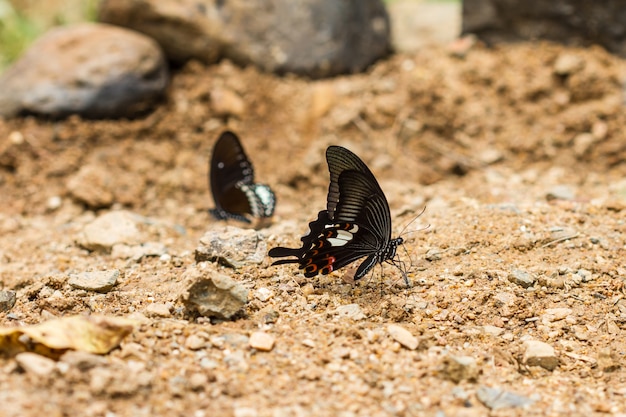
(317, 38)
(212, 294)
(110, 229)
(522, 278)
(232, 246)
(100, 281)
(94, 70)
(7, 300)
(580, 22)
(496, 398)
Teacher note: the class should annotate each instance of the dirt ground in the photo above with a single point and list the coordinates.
(518, 154)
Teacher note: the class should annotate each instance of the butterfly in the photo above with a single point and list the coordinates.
(231, 177)
(355, 224)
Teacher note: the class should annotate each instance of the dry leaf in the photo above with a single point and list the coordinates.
(93, 334)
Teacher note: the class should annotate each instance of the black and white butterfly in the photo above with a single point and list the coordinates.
(232, 182)
(355, 224)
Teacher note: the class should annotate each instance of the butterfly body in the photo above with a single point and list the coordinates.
(355, 224)
(231, 177)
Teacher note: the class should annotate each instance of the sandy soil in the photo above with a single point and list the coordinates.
(518, 155)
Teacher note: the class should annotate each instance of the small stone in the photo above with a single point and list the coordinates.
(459, 368)
(493, 330)
(582, 143)
(138, 252)
(195, 342)
(433, 254)
(198, 381)
(110, 229)
(522, 278)
(81, 360)
(53, 203)
(226, 102)
(35, 364)
(402, 336)
(262, 341)
(561, 192)
(540, 354)
(7, 300)
(263, 294)
(212, 294)
(159, 310)
(232, 247)
(607, 361)
(567, 64)
(555, 314)
(352, 311)
(92, 185)
(99, 281)
(496, 398)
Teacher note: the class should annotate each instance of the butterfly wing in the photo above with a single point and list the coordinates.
(340, 159)
(360, 230)
(231, 176)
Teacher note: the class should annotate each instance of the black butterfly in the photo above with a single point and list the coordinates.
(356, 222)
(232, 182)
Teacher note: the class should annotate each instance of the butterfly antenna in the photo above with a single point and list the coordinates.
(414, 218)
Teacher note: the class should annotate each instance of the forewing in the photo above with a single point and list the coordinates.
(362, 202)
(340, 159)
(230, 166)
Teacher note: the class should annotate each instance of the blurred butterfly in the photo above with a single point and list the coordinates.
(232, 182)
(355, 224)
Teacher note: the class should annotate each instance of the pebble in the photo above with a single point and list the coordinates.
(352, 311)
(232, 247)
(497, 398)
(433, 254)
(138, 252)
(7, 300)
(506, 303)
(212, 294)
(82, 360)
(561, 192)
(555, 314)
(493, 330)
(402, 336)
(198, 381)
(262, 341)
(110, 229)
(263, 294)
(607, 362)
(99, 281)
(160, 310)
(567, 64)
(195, 342)
(459, 368)
(541, 354)
(226, 102)
(522, 278)
(35, 364)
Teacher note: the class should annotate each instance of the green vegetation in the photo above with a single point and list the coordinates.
(21, 22)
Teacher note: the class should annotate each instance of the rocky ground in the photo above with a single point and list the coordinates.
(517, 264)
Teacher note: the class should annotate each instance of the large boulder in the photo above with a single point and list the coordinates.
(578, 22)
(317, 38)
(93, 70)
